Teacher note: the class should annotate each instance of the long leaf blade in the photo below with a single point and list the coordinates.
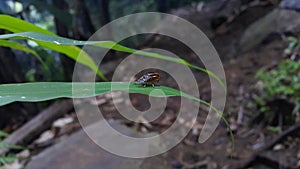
(17, 25)
(51, 90)
(3, 134)
(7, 159)
(17, 46)
(56, 43)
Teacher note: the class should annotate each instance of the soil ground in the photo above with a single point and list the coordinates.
(250, 138)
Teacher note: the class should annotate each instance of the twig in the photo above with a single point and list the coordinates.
(38, 124)
(240, 115)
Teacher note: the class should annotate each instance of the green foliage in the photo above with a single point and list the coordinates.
(17, 46)
(5, 159)
(23, 91)
(276, 129)
(293, 45)
(46, 91)
(283, 82)
(51, 90)
(49, 40)
(17, 25)
(3, 134)
(62, 45)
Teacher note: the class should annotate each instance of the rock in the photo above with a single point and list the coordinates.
(176, 164)
(278, 147)
(15, 165)
(233, 127)
(280, 159)
(59, 123)
(290, 4)
(47, 135)
(24, 154)
(277, 21)
(80, 152)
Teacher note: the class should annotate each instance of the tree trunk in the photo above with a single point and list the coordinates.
(62, 30)
(105, 18)
(104, 9)
(82, 26)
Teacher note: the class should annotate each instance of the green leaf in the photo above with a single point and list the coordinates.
(17, 25)
(57, 43)
(17, 46)
(14, 147)
(276, 129)
(7, 159)
(51, 90)
(51, 41)
(3, 134)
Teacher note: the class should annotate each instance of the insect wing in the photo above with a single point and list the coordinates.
(143, 79)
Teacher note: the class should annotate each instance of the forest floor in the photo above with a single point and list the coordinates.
(255, 145)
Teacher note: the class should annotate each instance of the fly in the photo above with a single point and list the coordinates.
(150, 78)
